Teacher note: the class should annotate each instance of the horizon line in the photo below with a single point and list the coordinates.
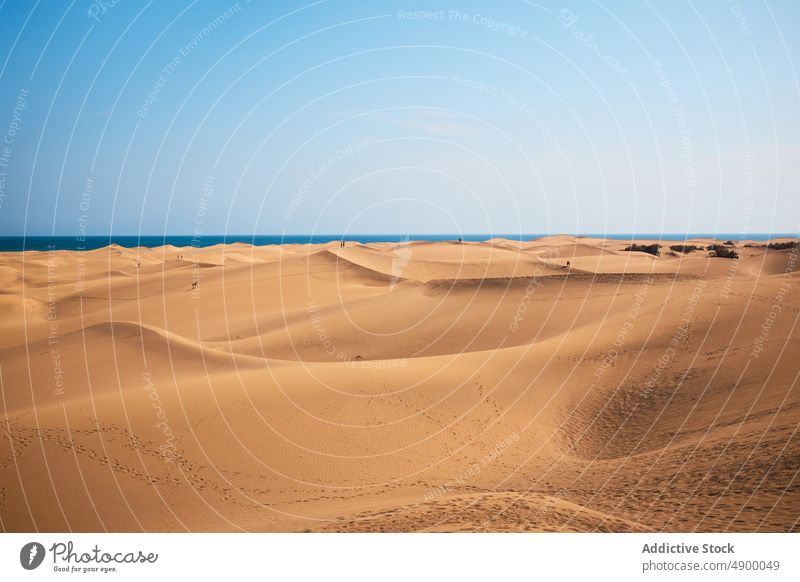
(209, 235)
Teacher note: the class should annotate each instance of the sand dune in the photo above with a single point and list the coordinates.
(400, 387)
(426, 261)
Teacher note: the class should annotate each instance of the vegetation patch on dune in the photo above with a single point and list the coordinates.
(782, 246)
(685, 249)
(722, 251)
(651, 249)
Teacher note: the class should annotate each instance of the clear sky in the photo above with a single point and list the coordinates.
(374, 117)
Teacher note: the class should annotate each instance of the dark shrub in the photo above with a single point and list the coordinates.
(722, 251)
(782, 246)
(685, 248)
(651, 249)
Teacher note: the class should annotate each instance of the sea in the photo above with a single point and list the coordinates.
(73, 243)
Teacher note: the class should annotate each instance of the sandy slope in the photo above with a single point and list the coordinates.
(396, 387)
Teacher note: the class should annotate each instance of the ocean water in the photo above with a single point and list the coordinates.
(72, 243)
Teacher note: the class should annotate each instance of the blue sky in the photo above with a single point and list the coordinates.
(371, 117)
